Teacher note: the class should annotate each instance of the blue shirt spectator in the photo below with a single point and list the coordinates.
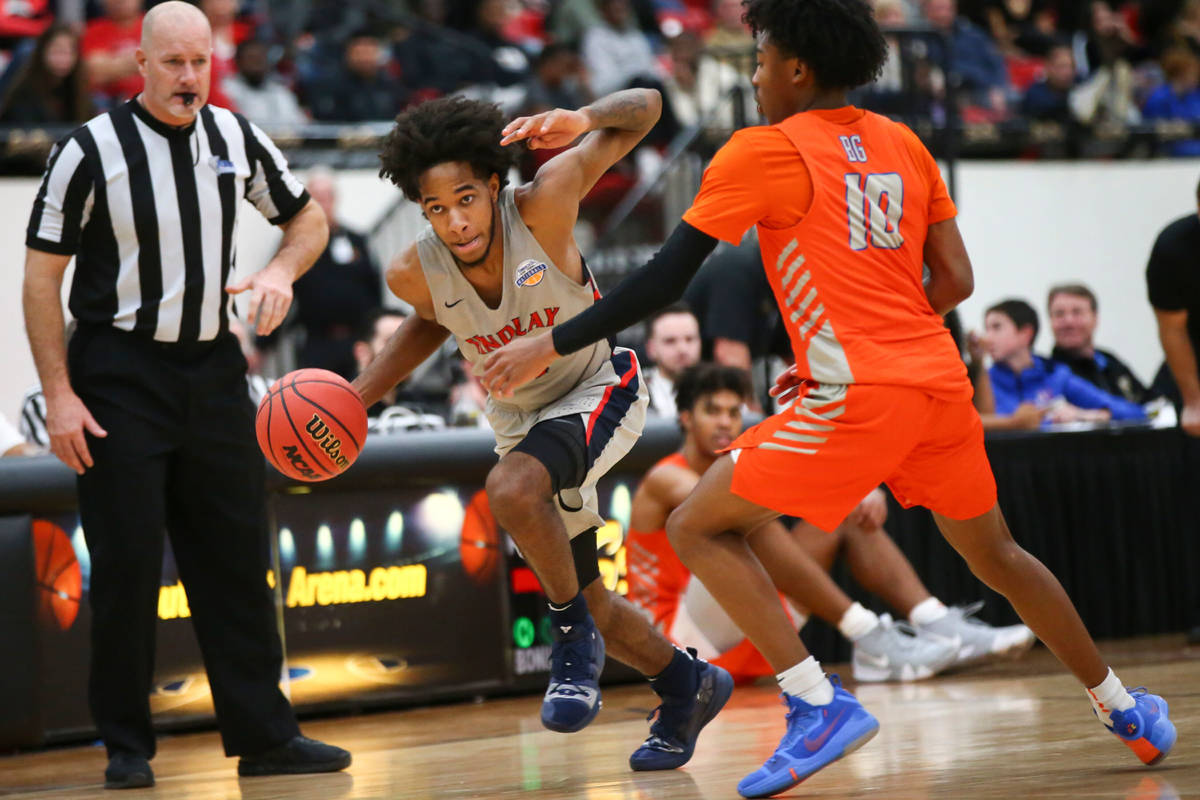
(974, 57)
(1179, 97)
(1046, 381)
(1020, 378)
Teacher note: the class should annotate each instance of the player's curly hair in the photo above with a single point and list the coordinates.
(838, 39)
(446, 129)
(700, 380)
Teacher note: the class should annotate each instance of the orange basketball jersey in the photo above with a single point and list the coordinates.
(654, 574)
(842, 200)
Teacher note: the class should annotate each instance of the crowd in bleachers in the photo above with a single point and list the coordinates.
(285, 62)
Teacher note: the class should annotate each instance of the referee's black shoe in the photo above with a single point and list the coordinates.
(128, 771)
(296, 756)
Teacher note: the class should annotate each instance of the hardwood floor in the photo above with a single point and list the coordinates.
(1011, 730)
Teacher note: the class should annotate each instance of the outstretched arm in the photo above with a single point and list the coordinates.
(614, 124)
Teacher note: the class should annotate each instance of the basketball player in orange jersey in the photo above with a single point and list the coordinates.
(709, 398)
(848, 206)
(498, 262)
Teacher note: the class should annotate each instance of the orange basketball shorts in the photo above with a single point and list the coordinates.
(820, 457)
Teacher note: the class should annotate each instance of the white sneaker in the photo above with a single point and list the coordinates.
(896, 651)
(978, 641)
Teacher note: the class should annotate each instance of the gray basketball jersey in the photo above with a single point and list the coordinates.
(536, 296)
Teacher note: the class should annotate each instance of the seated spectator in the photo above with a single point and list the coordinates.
(1049, 98)
(557, 81)
(1026, 417)
(568, 20)
(1106, 96)
(52, 88)
(1019, 377)
(435, 60)
(974, 59)
(485, 21)
(20, 22)
(1021, 28)
(227, 33)
(361, 90)
(615, 52)
(108, 48)
(673, 344)
(729, 31)
(257, 93)
(1073, 318)
(1179, 96)
(698, 84)
(342, 287)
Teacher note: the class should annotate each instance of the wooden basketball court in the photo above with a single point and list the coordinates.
(1012, 730)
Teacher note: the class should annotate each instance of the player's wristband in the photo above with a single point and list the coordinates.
(652, 286)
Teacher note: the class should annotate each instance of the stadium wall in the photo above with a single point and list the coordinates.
(1028, 226)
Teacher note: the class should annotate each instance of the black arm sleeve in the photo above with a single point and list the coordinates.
(655, 285)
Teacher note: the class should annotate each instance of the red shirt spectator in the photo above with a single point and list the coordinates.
(109, 43)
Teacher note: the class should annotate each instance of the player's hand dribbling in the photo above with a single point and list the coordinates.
(270, 297)
(66, 420)
(548, 130)
(517, 363)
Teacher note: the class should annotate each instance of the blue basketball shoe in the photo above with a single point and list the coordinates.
(1145, 728)
(673, 735)
(816, 736)
(576, 659)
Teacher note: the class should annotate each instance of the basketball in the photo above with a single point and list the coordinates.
(479, 546)
(311, 425)
(59, 581)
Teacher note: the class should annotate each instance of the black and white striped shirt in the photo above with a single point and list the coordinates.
(150, 212)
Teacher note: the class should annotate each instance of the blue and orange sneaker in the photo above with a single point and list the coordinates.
(816, 736)
(576, 659)
(673, 735)
(1145, 728)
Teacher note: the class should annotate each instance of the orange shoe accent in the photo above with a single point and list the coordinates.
(1147, 752)
(795, 777)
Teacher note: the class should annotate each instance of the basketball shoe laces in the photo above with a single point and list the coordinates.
(799, 721)
(570, 663)
(672, 717)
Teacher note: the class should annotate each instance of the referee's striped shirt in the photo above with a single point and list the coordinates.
(150, 213)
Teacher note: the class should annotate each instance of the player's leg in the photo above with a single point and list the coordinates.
(950, 474)
(883, 649)
(691, 690)
(709, 532)
(880, 567)
(522, 495)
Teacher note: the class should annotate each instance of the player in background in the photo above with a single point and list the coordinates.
(710, 398)
(848, 206)
(496, 263)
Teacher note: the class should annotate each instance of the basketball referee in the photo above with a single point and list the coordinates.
(148, 403)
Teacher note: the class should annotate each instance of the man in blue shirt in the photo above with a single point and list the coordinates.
(1019, 376)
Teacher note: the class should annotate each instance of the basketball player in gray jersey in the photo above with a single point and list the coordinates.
(496, 263)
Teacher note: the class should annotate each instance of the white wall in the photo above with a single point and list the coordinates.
(1031, 225)
(1027, 227)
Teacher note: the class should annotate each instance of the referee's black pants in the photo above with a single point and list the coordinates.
(181, 455)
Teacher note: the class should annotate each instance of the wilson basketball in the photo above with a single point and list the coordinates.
(59, 581)
(479, 546)
(311, 425)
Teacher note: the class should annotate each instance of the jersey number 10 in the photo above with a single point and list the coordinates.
(874, 207)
